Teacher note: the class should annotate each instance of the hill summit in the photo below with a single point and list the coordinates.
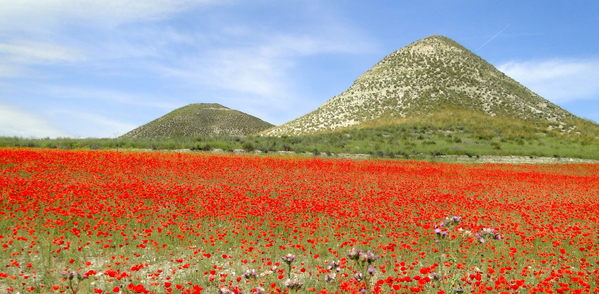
(200, 119)
(430, 75)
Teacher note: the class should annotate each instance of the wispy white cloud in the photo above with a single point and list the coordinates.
(95, 125)
(20, 51)
(17, 122)
(108, 96)
(558, 80)
(9, 70)
(86, 48)
(42, 32)
(35, 14)
(260, 70)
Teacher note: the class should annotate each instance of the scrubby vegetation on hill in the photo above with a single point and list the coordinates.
(200, 119)
(430, 75)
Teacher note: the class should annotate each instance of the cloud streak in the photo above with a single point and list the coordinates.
(30, 52)
(107, 96)
(558, 80)
(106, 56)
(493, 37)
(95, 125)
(259, 73)
(34, 15)
(17, 122)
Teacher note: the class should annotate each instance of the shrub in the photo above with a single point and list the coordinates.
(248, 147)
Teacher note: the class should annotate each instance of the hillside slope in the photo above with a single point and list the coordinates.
(430, 75)
(200, 119)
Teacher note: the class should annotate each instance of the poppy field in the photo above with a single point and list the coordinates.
(132, 222)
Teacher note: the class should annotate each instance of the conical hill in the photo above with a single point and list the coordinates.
(435, 74)
(200, 119)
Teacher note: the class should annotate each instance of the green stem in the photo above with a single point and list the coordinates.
(71, 285)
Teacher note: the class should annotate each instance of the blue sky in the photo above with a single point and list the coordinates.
(99, 68)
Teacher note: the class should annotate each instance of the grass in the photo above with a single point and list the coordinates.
(444, 133)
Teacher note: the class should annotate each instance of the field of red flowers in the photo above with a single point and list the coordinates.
(126, 222)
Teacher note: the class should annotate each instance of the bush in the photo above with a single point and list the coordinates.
(248, 147)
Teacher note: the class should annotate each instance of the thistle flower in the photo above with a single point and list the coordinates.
(465, 233)
(440, 233)
(480, 238)
(289, 258)
(487, 233)
(371, 270)
(354, 254)
(456, 219)
(250, 273)
(451, 221)
(334, 264)
(362, 257)
(330, 278)
(359, 277)
(294, 285)
(368, 257)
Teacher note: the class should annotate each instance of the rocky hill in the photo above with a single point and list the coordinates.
(200, 119)
(430, 75)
